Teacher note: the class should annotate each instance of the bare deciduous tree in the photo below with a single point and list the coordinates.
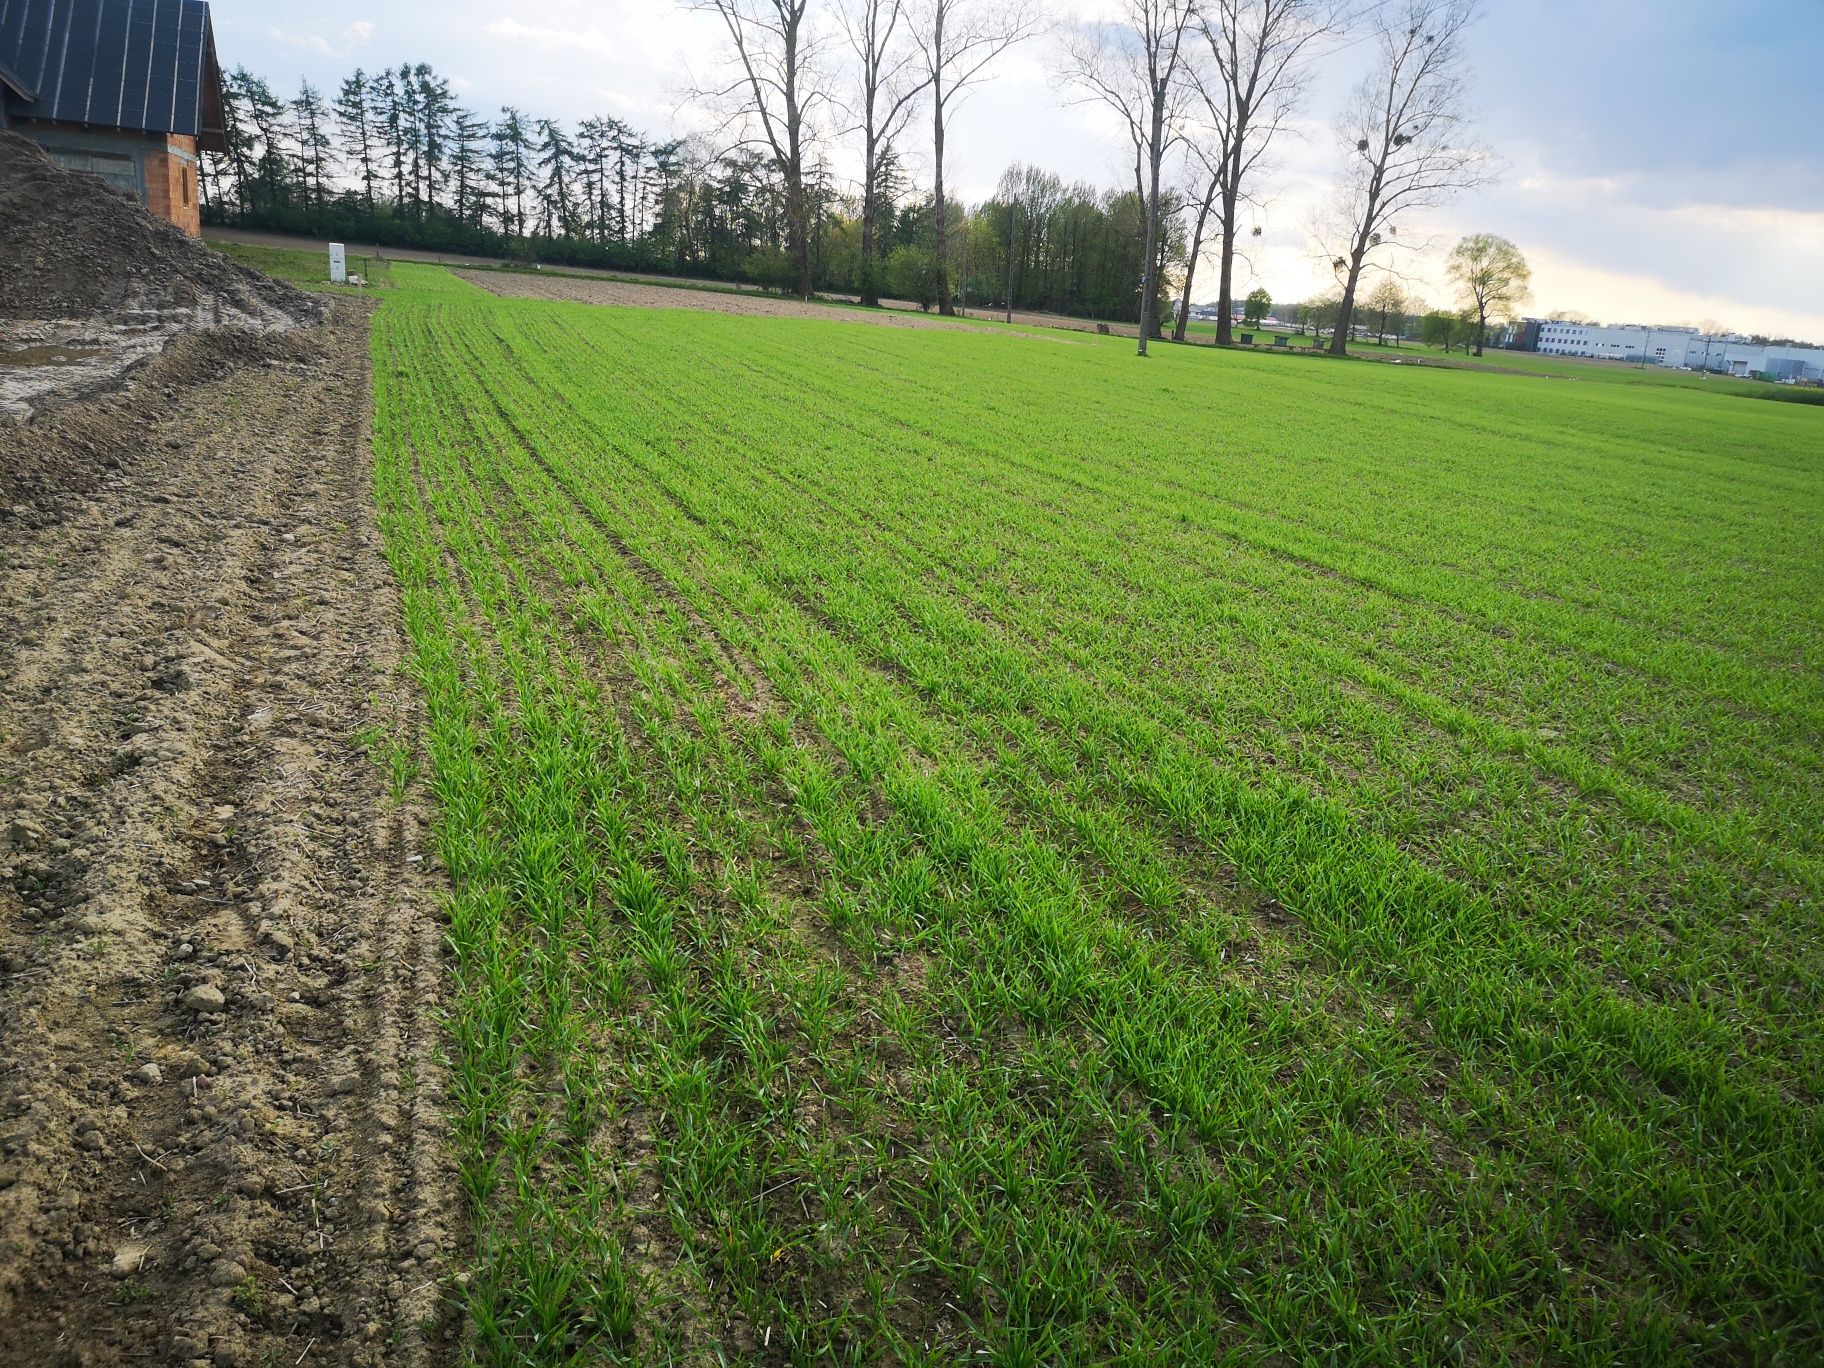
(889, 81)
(1258, 52)
(772, 99)
(1137, 67)
(1406, 134)
(957, 40)
(1203, 198)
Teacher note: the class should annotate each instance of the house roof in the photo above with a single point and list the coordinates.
(143, 65)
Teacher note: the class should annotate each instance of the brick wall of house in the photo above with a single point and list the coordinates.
(157, 169)
(171, 183)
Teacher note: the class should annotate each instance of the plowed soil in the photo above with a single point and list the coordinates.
(219, 945)
(580, 290)
(893, 313)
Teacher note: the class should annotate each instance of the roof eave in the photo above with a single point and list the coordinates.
(12, 81)
(211, 122)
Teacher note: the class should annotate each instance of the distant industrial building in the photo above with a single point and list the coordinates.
(1624, 342)
(1678, 347)
(1211, 313)
(126, 90)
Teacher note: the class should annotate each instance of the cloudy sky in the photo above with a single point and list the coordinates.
(1665, 158)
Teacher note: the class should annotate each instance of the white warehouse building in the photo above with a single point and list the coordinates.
(1623, 342)
(1686, 348)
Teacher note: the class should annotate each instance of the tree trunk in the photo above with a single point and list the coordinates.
(942, 225)
(870, 293)
(1190, 267)
(1011, 205)
(1345, 314)
(797, 205)
(1225, 286)
(1159, 275)
(1481, 328)
(798, 238)
(1149, 286)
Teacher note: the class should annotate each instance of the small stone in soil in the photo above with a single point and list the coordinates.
(129, 1259)
(204, 998)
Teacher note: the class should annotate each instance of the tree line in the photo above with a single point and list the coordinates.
(1203, 89)
(392, 158)
(1491, 278)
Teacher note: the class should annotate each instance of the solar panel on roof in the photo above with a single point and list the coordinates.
(103, 101)
(37, 42)
(161, 62)
(34, 28)
(161, 104)
(135, 64)
(78, 66)
(12, 28)
(136, 78)
(75, 68)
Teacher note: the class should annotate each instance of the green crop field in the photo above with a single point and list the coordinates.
(308, 269)
(967, 846)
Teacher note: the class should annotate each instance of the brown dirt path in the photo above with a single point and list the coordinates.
(892, 314)
(220, 949)
(577, 290)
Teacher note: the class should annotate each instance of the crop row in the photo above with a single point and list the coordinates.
(945, 862)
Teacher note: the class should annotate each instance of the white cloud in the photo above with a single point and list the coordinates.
(625, 57)
(1619, 247)
(561, 39)
(352, 36)
(1618, 296)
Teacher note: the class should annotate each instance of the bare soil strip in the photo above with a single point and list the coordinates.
(577, 290)
(689, 285)
(220, 947)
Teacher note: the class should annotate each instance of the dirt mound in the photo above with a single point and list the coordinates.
(58, 459)
(72, 248)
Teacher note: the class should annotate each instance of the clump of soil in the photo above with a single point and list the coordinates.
(72, 248)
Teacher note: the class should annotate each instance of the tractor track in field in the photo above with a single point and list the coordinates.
(220, 943)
